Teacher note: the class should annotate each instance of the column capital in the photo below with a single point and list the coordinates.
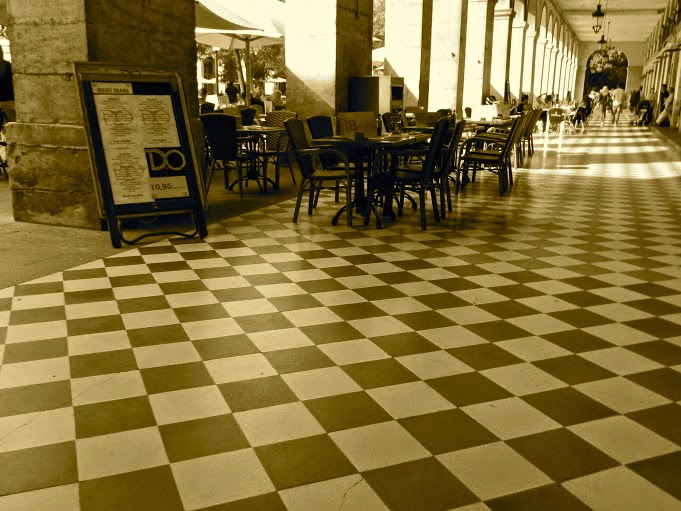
(520, 24)
(500, 14)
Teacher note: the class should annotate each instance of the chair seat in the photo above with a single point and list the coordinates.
(337, 173)
(482, 155)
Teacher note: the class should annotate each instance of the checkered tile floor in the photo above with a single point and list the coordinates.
(523, 355)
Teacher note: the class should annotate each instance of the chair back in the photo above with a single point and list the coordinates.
(514, 135)
(295, 130)
(435, 148)
(555, 115)
(278, 141)
(206, 108)
(350, 123)
(259, 109)
(220, 131)
(453, 148)
(320, 126)
(387, 121)
(248, 116)
(532, 122)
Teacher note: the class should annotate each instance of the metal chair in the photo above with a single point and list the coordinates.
(276, 144)
(314, 176)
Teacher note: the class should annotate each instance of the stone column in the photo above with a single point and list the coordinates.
(407, 46)
(448, 56)
(501, 51)
(540, 60)
(551, 78)
(579, 81)
(478, 51)
(561, 90)
(529, 64)
(51, 177)
(321, 55)
(517, 59)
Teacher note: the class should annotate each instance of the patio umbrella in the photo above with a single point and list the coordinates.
(209, 19)
(266, 15)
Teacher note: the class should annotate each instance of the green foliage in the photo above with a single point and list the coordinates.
(606, 67)
(379, 23)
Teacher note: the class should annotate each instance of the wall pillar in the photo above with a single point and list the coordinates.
(501, 51)
(517, 59)
(407, 46)
(448, 56)
(529, 66)
(51, 178)
(320, 56)
(579, 82)
(551, 78)
(478, 51)
(540, 61)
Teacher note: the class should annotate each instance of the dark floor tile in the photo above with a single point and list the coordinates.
(516, 292)
(663, 471)
(186, 286)
(423, 485)
(321, 286)
(568, 406)
(468, 389)
(360, 310)
(649, 288)
(397, 277)
(107, 362)
(176, 377)
(155, 335)
(303, 461)
(265, 502)
(35, 350)
(94, 325)
(263, 322)
(237, 294)
(658, 327)
(664, 381)
(152, 489)
(202, 437)
(295, 302)
(267, 279)
(654, 306)
(38, 467)
(379, 293)
(147, 303)
(257, 393)
(43, 314)
(201, 313)
(553, 497)
(298, 359)
(223, 347)
(379, 373)
(577, 341)
(584, 298)
(580, 318)
(663, 420)
(408, 343)
(498, 331)
(168, 266)
(561, 454)
(573, 369)
(112, 262)
(38, 289)
(331, 332)
(446, 431)
(113, 416)
(132, 280)
(216, 273)
(507, 309)
(662, 352)
(484, 356)
(35, 398)
(346, 411)
(425, 320)
(89, 296)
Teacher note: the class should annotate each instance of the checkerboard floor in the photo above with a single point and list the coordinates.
(525, 354)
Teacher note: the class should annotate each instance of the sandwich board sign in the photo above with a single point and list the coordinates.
(141, 147)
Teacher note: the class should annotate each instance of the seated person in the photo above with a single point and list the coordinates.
(232, 92)
(277, 101)
(255, 100)
(523, 106)
(205, 107)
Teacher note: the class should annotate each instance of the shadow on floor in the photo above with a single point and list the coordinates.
(30, 251)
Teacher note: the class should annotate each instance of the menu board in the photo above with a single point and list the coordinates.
(142, 152)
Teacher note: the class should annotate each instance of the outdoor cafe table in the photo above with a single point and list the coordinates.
(366, 149)
(262, 132)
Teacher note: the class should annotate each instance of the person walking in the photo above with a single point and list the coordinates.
(618, 97)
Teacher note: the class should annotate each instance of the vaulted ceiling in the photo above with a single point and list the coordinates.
(630, 20)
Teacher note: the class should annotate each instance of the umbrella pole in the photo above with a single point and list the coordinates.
(247, 85)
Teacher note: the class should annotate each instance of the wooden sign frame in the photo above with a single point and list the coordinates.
(141, 146)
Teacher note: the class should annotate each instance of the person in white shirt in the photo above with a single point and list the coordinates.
(618, 97)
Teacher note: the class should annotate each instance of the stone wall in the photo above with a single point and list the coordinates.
(51, 174)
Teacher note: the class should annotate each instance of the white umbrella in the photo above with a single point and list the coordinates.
(266, 15)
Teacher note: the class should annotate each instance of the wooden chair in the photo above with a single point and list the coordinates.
(276, 144)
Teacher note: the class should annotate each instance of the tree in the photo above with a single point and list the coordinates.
(606, 67)
(379, 23)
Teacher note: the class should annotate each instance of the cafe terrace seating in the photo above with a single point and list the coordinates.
(314, 176)
(493, 156)
(227, 149)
